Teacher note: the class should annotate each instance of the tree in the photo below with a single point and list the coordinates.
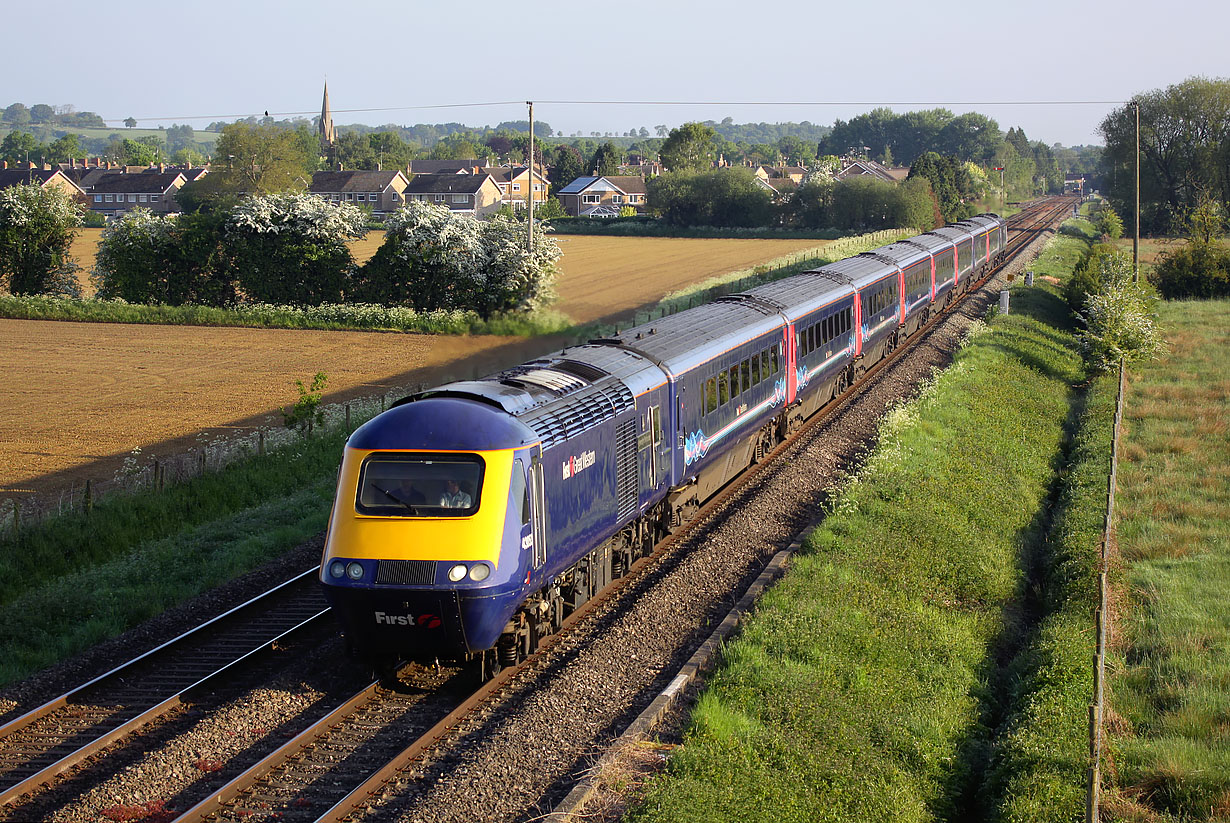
(260, 159)
(566, 165)
(136, 259)
(42, 113)
(17, 147)
(17, 114)
(725, 197)
(1184, 146)
(689, 148)
(180, 137)
(1201, 268)
(36, 229)
(130, 122)
(290, 247)
(432, 259)
(606, 160)
(970, 137)
(65, 149)
(144, 151)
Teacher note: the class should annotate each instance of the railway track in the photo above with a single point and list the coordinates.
(335, 767)
(114, 709)
(331, 772)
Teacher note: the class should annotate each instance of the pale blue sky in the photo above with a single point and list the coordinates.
(165, 62)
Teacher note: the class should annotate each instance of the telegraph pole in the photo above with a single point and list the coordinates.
(529, 220)
(1136, 239)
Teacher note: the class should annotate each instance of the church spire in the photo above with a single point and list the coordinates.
(328, 134)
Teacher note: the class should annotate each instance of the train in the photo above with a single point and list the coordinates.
(472, 518)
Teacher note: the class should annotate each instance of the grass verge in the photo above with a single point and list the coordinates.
(1170, 731)
(927, 656)
(73, 580)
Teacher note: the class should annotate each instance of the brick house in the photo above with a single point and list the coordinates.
(44, 177)
(476, 194)
(117, 192)
(602, 196)
(514, 183)
(382, 191)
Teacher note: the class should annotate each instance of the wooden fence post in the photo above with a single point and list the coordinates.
(16, 516)
(348, 418)
(88, 503)
(260, 442)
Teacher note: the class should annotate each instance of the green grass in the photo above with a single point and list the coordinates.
(891, 665)
(207, 138)
(75, 579)
(339, 317)
(1171, 736)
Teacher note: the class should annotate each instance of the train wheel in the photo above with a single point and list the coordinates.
(488, 665)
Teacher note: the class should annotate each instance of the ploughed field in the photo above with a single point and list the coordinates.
(79, 397)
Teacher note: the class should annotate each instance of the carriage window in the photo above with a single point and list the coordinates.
(723, 388)
(420, 485)
(519, 492)
(800, 342)
(745, 369)
(774, 353)
(764, 365)
(711, 396)
(734, 381)
(756, 369)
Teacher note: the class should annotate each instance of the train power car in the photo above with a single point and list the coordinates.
(472, 518)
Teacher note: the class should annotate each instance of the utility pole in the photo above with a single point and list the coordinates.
(529, 219)
(1003, 196)
(1136, 239)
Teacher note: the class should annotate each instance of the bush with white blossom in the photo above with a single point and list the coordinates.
(36, 228)
(290, 247)
(434, 259)
(1119, 319)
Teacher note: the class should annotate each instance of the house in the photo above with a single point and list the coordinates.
(381, 191)
(514, 183)
(44, 177)
(779, 187)
(476, 194)
(117, 192)
(470, 165)
(858, 167)
(602, 196)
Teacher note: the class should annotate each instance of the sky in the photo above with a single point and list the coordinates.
(1055, 69)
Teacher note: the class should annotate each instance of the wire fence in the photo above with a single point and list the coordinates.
(1097, 738)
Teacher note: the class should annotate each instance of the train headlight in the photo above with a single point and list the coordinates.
(480, 571)
(457, 573)
(337, 568)
(355, 571)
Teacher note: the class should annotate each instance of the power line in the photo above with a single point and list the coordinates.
(792, 103)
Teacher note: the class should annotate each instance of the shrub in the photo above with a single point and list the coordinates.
(1119, 318)
(36, 228)
(433, 259)
(1197, 270)
(291, 247)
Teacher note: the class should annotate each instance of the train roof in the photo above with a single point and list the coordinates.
(683, 341)
(903, 254)
(980, 223)
(804, 293)
(931, 242)
(445, 423)
(957, 233)
(860, 270)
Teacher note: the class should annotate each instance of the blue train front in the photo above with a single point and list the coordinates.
(429, 543)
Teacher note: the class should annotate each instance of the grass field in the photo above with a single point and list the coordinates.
(207, 138)
(1171, 701)
(926, 658)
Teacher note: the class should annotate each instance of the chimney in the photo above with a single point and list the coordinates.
(162, 167)
(4, 164)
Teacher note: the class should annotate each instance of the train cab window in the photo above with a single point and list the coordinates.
(745, 370)
(755, 369)
(711, 395)
(420, 485)
(723, 388)
(519, 492)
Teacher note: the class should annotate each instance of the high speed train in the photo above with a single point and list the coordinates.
(470, 519)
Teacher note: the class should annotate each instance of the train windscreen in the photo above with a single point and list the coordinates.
(420, 485)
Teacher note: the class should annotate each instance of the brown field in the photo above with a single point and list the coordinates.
(81, 396)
